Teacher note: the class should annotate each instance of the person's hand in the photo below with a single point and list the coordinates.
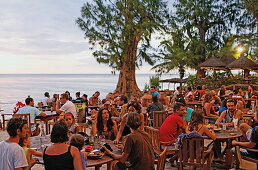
(234, 142)
(116, 141)
(107, 150)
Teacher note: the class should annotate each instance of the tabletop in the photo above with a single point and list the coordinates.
(104, 159)
(228, 134)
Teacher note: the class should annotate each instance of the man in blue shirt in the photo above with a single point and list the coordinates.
(29, 108)
(154, 91)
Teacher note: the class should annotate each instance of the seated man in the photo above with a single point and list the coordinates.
(173, 124)
(137, 149)
(29, 108)
(251, 135)
(33, 111)
(230, 115)
(68, 106)
(155, 106)
(94, 100)
(12, 155)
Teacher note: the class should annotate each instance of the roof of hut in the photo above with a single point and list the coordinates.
(212, 63)
(174, 80)
(243, 63)
(227, 59)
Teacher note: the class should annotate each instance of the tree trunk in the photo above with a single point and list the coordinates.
(127, 82)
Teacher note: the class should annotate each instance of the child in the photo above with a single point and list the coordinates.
(70, 121)
(25, 144)
(77, 140)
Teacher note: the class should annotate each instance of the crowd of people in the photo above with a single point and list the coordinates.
(120, 119)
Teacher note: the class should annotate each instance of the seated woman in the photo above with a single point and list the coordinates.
(104, 125)
(197, 125)
(70, 122)
(60, 155)
(207, 105)
(240, 100)
(124, 130)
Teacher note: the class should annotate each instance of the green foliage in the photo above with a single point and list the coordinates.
(208, 25)
(154, 81)
(173, 54)
(216, 80)
(114, 27)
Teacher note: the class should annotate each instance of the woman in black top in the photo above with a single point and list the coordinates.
(60, 155)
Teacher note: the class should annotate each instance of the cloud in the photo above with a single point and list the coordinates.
(41, 27)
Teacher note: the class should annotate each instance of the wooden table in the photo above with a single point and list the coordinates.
(227, 137)
(46, 118)
(4, 119)
(97, 163)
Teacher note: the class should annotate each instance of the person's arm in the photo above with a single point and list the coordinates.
(219, 120)
(94, 127)
(115, 128)
(142, 120)
(77, 163)
(244, 144)
(42, 114)
(121, 158)
(209, 133)
(238, 114)
(207, 108)
(121, 129)
(35, 153)
(58, 106)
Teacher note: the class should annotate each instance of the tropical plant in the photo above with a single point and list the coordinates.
(120, 32)
(174, 54)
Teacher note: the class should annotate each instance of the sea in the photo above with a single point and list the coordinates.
(17, 87)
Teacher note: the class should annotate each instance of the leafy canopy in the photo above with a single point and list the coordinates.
(112, 25)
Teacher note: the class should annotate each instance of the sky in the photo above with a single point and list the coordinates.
(40, 36)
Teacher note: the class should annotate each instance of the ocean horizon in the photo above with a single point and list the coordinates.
(17, 87)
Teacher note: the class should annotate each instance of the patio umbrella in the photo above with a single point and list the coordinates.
(213, 63)
(173, 80)
(227, 59)
(243, 63)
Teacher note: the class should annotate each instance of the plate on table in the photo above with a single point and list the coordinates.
(94, 155)
(217, 129)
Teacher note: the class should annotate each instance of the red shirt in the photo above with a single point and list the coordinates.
(169, 129)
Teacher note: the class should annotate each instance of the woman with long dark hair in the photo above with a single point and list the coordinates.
(104, 125)
(197, 125)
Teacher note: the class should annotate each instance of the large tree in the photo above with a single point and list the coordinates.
(120, 33)
(208, 23)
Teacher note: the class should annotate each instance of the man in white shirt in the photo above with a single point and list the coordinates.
(12, 155)
(67, 107)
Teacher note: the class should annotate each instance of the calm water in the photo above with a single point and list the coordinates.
(16, 87)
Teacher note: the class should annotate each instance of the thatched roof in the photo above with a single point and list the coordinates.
(212, 63)
(174, 80)
(227, 59)
(243, 63)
